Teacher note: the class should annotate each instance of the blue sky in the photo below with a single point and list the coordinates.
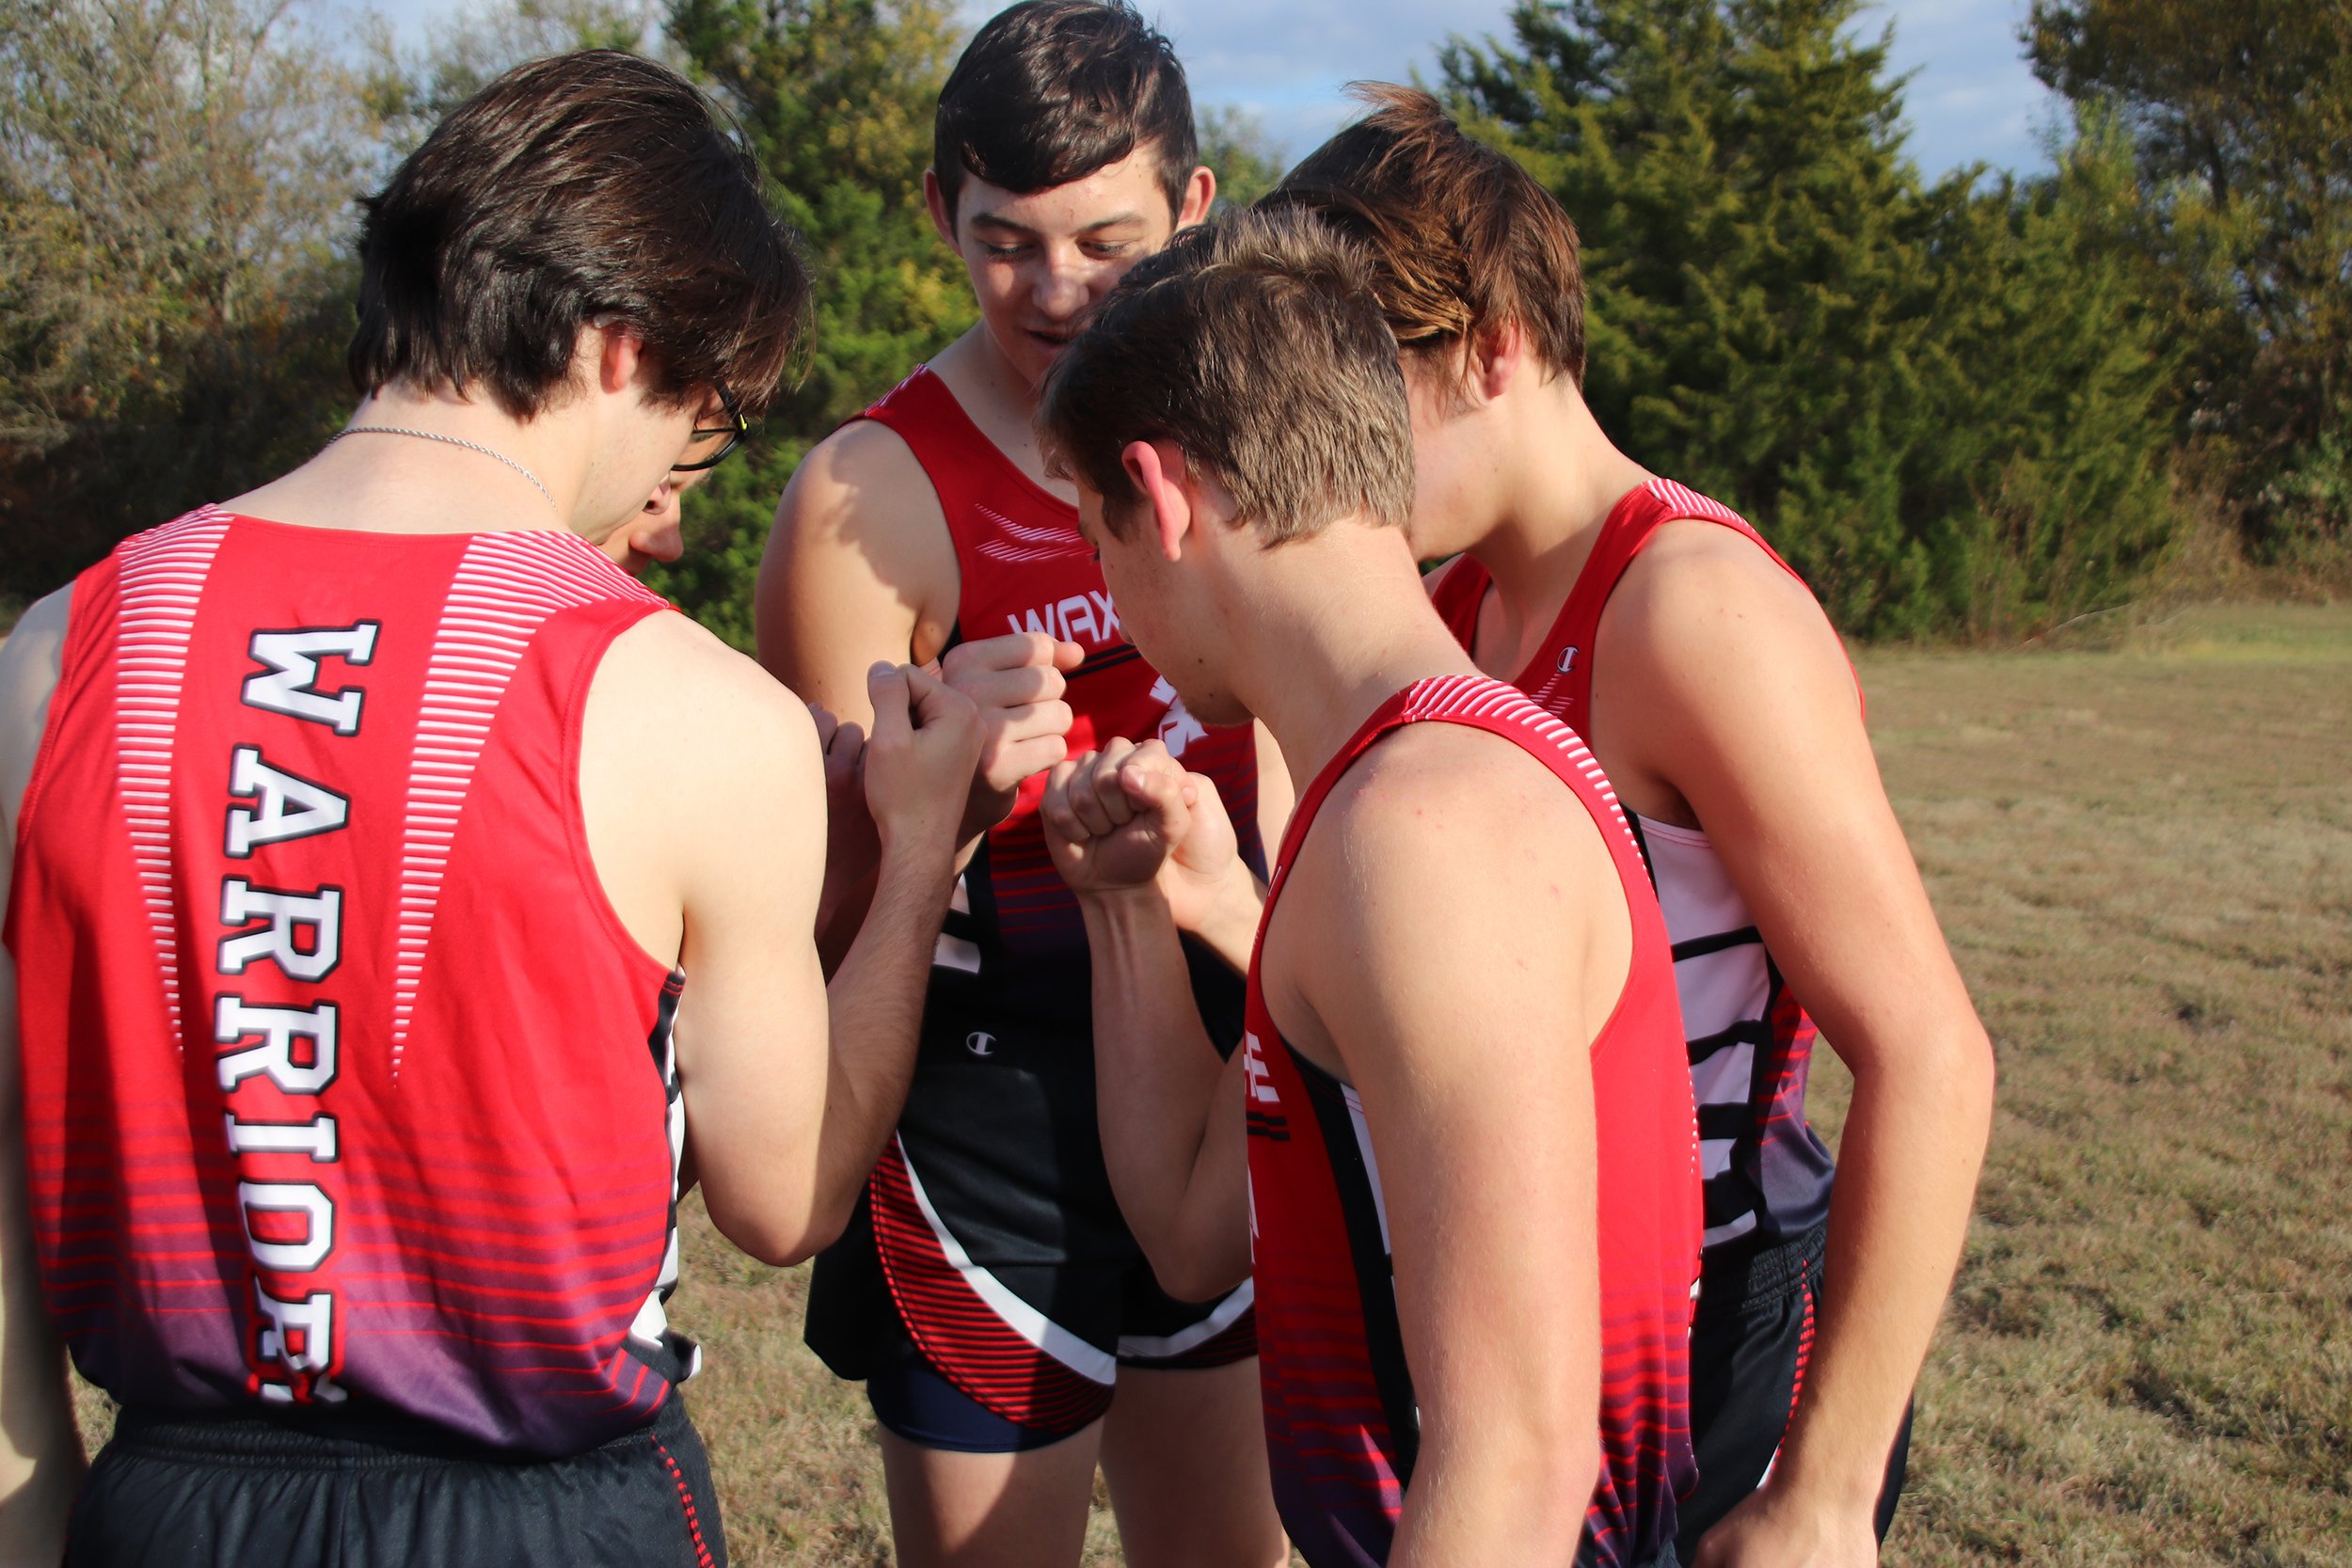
(1971, 97)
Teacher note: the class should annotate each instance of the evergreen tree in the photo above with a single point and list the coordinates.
(2240, 112)
(1782, 312)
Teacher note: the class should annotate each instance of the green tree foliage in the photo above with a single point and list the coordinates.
(2240, 112)
(174, 181)
(1234, 144)
(837, 97)
(1781, 312)
(410, 89)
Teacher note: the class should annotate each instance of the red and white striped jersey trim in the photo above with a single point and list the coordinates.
(506, 588)
(1026, 544)
(162, 581)
(1484, 697)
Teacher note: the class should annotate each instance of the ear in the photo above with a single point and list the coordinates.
(1497, 358)
(650, 534)
(1199, 195)
(935, 197)
(1158, 470)
(620, 354)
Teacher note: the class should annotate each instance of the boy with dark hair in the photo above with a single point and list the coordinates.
(1469, 1191)
(364, 831)
(1657, 624)
(989, 1293)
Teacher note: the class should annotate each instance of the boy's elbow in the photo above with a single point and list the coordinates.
(776, 1236)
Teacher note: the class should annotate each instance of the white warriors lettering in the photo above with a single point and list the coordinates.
(282, 1050)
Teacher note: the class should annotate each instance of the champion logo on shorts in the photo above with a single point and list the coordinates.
(980, 1043)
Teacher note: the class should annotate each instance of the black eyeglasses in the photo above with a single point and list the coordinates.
(733, 433)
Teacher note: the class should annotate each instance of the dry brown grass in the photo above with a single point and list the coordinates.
(2143, 857)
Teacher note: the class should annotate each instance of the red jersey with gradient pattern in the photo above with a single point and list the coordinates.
(1343, 1423)
(344, 1086)
(1750, 1040)
(1024, 567)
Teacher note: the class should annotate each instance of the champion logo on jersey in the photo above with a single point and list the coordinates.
(1567, 659)
(980, 1043)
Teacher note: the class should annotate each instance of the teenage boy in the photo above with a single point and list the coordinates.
(1469, 1185)
(1659, 626)
(989, 1294)
(399, 895)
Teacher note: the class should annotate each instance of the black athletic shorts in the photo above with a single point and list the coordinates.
(254, 1492)
(1750, 1341)
(988, 1253)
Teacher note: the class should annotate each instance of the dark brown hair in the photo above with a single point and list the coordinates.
(1257, 346)
(592, 187)
(1463, 239)
(1050, 90)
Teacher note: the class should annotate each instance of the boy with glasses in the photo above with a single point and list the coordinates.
(404, 906)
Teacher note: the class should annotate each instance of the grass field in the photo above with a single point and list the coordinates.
(2143, 858)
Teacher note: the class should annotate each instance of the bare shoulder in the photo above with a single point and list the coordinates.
(1449, 812)
(1450, 875)
(669, 684)
(860, 564)
(1703, 614)
(863, 483)
(30, 654)
(31, 660)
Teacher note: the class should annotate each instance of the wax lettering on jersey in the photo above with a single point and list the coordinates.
(284, 1050)
(1087, 619)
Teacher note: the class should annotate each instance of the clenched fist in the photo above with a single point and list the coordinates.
(1129, 815)
(1016, 682)
(919, 759)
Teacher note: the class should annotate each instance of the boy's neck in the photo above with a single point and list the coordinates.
(1340, 624)
(1562, 478)
(421, 462)
(998, 399)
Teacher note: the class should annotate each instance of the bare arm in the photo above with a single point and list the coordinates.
(1452, 938)
(705, 797)
(1220, 901)
(860, 568)
(41, 1454)
(1170, 1109)
(1737, 677)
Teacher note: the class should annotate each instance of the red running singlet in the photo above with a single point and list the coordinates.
(991, 1228)
(1750, 1041)
(1342, 1425)
(1026, 567)
(344, 1087)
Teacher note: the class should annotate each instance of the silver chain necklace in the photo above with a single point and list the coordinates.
(447, 440)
